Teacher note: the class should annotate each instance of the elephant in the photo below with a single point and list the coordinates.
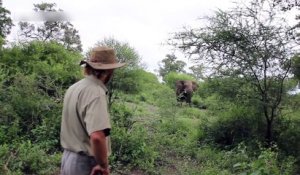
(184, 90)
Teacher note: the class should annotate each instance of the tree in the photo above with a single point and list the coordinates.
(51, 29)
(5, 24)
(171, 64)
(125, 53)
(286, 4)
(33, 79)
(197, 71)
(250, 42)
(296, 66)
(172, 77)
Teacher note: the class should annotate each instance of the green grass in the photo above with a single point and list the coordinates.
(176, 130)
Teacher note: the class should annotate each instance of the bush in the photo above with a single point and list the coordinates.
(26, 158)
(37, 75)
(176, 137)
(132, 149)
(215, 104)
(234, 125)
(134, 81)
(47, 134)
(267, 162)
(32, 82)
(191, 113)
(242, 160)
(131, 146)
(165, 98)
(289, 140)
(9, 132)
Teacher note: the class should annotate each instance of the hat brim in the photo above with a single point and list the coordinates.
(101, 66)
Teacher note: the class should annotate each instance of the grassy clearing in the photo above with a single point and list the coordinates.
(174, 132)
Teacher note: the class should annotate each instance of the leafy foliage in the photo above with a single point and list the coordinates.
(36, 75)
(130, 147)
(150, 134)
(231, 89)
(289, 138)
(198, 72)
(246, 42)
(125, 53)
(27, 158)
(171, 64)
(296, 66)
(266, 163)
(5, 22)
(58, 30)
(134, 81)
(172, 77)
(286, 4)
(235, 124)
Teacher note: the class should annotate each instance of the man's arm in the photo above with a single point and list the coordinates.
(98, 143)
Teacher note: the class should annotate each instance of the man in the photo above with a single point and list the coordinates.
(85, 126)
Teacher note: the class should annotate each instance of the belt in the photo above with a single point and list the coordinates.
(83, 153)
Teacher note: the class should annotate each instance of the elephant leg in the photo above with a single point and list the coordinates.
(189, 99)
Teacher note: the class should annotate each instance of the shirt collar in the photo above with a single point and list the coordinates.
(97, 81)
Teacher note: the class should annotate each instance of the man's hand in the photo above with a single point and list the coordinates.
(99, 170)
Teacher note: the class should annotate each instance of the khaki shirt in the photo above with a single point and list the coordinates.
(84, 112)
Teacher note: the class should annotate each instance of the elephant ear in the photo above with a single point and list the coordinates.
(179, 84)
(195, 86)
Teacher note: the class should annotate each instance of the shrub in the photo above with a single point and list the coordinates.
(47, 134)
(234, 125)
(34, 83)
(131, 146)
(134, 81)
(242, 160)
(267, 162)
(176, 136)
(192, 113)
(289, 140)
(26, 158)
(165, 98)
(215, 104)
(132, 149)
(196, 101)
(31, 89)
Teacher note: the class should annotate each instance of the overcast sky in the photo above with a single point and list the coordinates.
(144, 24)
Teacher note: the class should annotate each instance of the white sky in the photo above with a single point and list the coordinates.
(144, 24)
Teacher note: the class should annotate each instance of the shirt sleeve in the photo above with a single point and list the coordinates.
(97, 116)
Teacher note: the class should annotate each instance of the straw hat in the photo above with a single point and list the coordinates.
(103, 58)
